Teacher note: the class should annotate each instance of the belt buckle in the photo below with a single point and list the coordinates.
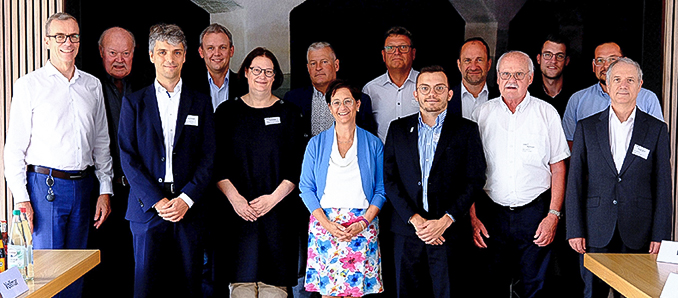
(76, 176)
(172, 188)
(512, 208)
(123, 181)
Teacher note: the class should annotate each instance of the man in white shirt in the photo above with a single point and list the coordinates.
(167, 147)
(525, 148)
(392, 93)
(57, 156)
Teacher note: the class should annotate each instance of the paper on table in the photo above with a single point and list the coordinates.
(670, 287)
(668, 252)
(12, 284)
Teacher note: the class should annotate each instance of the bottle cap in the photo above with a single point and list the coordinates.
(23, 209)
(16, 212)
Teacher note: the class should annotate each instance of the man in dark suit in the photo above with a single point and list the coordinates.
(434, 167)
(322, 67)
(619, 188)
(216, 48)
(474, 63)
(166, 138)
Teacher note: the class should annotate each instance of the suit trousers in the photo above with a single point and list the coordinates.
(594, 287)
(424, 270)
(63, 223)
(168, 257)
(511, 251)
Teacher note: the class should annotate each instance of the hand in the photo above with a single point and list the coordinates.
(578, 244)
(431, 231)
(416, 220)
(263, 204)
(351, 231)
(654, 247)
(479, 231)
(103, 210)
(546, 230)
(243, 209)
(29, 212)
(337, 230)
(173, 211)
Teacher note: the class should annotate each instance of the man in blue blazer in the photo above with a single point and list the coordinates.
(619, 189)
(166, 138)
(322, 68)
(434, 167)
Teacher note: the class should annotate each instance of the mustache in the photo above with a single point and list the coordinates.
(511, 85)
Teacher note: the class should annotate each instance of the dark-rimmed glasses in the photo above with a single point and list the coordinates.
(61, 38)
(268, 72)
(401, 48)
(426, 89)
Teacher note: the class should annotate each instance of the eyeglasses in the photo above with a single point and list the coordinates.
(61, 38)
(347, 102)
(549, 56)
(402, 48)
(426, 89)
(519, 75)
(268, 72)
(601, 61)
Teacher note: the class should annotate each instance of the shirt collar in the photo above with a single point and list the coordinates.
(52, 71)
(439, 120)
(160, 89)
(209, 78)
(465, 91)
(631, 118)
(521, 106)
(410, 77)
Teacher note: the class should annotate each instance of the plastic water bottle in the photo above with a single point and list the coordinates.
(17, 249)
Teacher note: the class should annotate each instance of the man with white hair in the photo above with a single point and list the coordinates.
(525, 148)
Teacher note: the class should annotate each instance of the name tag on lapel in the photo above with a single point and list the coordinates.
(191, 120)
(640, 151)
(272, 120)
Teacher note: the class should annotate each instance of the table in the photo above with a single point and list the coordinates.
(56, 269)
(633, 275)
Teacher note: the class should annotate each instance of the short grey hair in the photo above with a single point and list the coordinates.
(59, 16)
(101, 38)
(624, 60)
(171, 34)
(216, 28)
(530, 65)
(319, 45)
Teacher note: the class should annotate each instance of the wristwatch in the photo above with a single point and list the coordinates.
(556, 213)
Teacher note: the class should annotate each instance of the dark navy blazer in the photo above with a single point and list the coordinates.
(636, 201)
(142, 149)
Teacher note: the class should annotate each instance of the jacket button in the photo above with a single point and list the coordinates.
(619, 179)
(614, 202)
(162, 159)
(419, 183)
(141, 203)
(160, 180)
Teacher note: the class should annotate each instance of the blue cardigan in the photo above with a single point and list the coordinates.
(317, 160)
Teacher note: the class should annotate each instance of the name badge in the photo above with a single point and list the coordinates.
(191, 120)
(272, 120)
(529, 148)
(640, 151)
(12, 284)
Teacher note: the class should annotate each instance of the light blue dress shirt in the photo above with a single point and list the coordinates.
(428, 141)
(218, 95)
(593, 100)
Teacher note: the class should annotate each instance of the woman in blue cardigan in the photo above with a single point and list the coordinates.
(342, 186)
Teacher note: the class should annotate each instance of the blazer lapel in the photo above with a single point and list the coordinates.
(445, 136)
(151, 103)
(637, 136)
(184, 106)
(603, 134)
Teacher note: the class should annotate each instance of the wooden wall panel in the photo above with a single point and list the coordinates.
(23, 51)
(670, 91)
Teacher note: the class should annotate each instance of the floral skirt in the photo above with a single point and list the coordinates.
(339, 268)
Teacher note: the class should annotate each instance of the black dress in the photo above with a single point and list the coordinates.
(258, 148)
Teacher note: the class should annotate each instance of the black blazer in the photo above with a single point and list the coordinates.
(142, 149)
(302, 97)
(455, 103)
(457, 174)
(636, 201)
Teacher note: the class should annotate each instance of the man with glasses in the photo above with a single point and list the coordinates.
(594, 99)
(433, 169)
(322, 65)
(550, 85)
(474, 64)
(525, 150)
(391, 92)
(57, 157)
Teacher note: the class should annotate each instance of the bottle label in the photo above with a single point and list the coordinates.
(16, 256)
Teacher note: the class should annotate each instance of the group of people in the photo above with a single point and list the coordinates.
(214, 175)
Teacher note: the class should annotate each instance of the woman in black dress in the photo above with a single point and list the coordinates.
(259, 151)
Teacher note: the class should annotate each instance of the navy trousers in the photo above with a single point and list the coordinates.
(63, 223)
(511, 252)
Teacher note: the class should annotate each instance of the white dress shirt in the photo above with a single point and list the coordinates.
(469, 103)
(344, 188)
(620, 137)
(59, 124)
(519, 148)
(390, 102)
(168, 107)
